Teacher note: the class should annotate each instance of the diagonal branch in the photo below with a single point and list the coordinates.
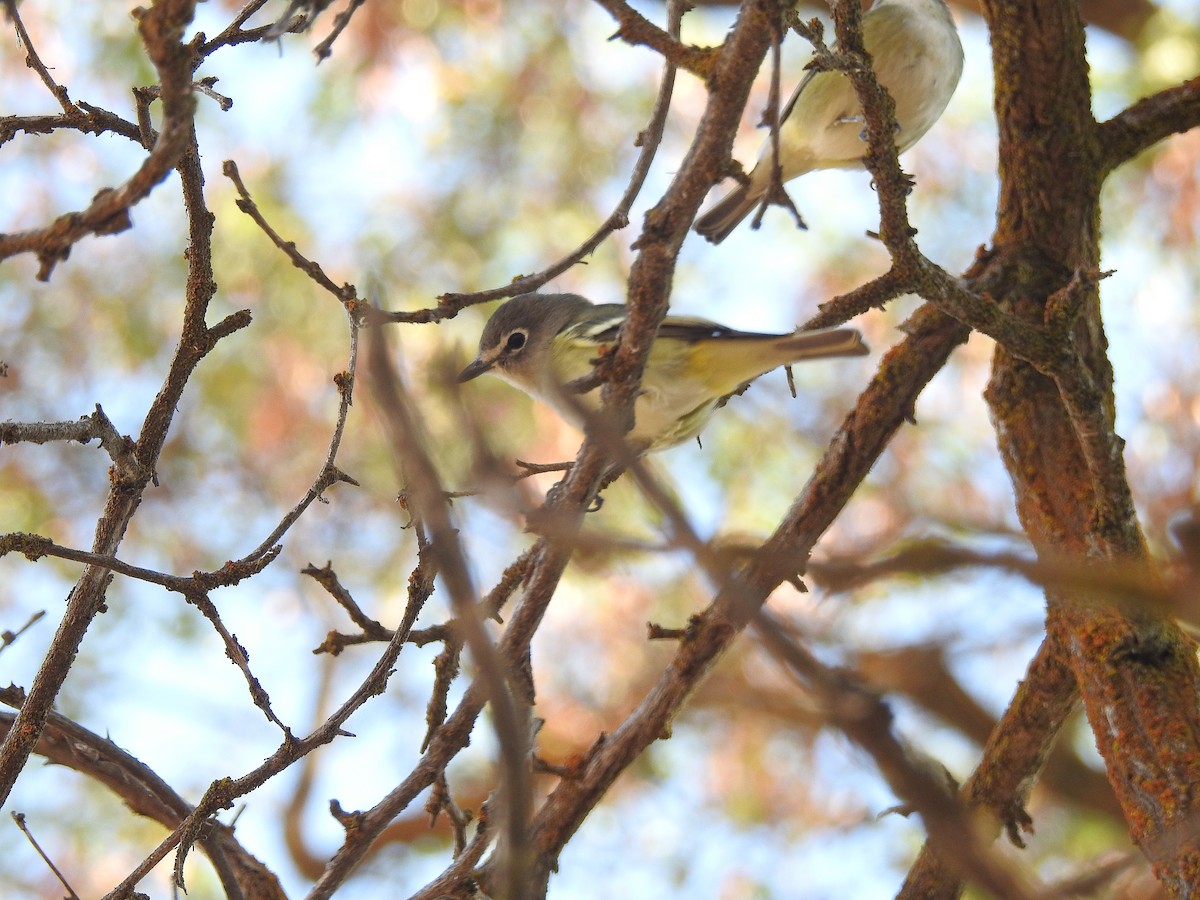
(505, 694)
(343, 294)
(34, 61)
(649, 139)
(67, 743)
(867, 721)
(882, 408)
(1009, 767)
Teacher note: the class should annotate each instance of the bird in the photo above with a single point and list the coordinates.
(916, 55)
(541, 342)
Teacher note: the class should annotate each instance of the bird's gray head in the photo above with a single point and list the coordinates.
(516, 340)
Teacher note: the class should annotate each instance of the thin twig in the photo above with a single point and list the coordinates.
(328, 579)
(238, 656)
(97, 426)
(344, 294)
(19, 819)
(649, 140)
(67, 743)
(233, 33)
(330, 474)
(33, 61)
(34, 546)
(324, 49)
(7, 638)
(108, 212)
(464, 863)
(775, 193)
(636, 30)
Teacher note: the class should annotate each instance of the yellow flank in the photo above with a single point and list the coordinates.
(727, 365)
(681, 385)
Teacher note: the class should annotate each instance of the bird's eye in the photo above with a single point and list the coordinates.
(515, 342)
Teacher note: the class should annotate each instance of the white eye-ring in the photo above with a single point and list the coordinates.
(515, 341)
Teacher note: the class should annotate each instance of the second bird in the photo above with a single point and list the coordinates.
(917, 56)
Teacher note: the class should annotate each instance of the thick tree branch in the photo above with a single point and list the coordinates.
(161, 27)
(66, 743)
(867, 721)
(1147, 122)
(1007, 772)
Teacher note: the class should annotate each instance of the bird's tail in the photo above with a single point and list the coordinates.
(824, 342)
(719, 222)
(741, 357)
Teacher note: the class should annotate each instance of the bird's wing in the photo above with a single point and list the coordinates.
(787, 110)
(600, 324)
(691, 328)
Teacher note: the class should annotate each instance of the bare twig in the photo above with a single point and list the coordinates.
(19, 819)
(344, 294)
(442, 801)
(97, 426)
(649, 140)
(775, 193)
(34, 546)
(69, 744)
(330, 474)
(636, 29)
(324, 49)
(7, 638)
(464, 863)
(1147, 122)
(328, 579)
(238, 656)
(33, 61)
(233, 33)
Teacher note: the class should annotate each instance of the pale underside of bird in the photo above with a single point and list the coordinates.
(540, 343)
(916, 55)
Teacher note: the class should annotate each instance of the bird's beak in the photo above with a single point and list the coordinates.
(478, 366)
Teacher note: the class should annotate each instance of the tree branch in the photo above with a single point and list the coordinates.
(66, 743)
(161, 28)
(1141, 126)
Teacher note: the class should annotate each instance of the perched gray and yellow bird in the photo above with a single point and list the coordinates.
(917, 56)
(542, 342)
